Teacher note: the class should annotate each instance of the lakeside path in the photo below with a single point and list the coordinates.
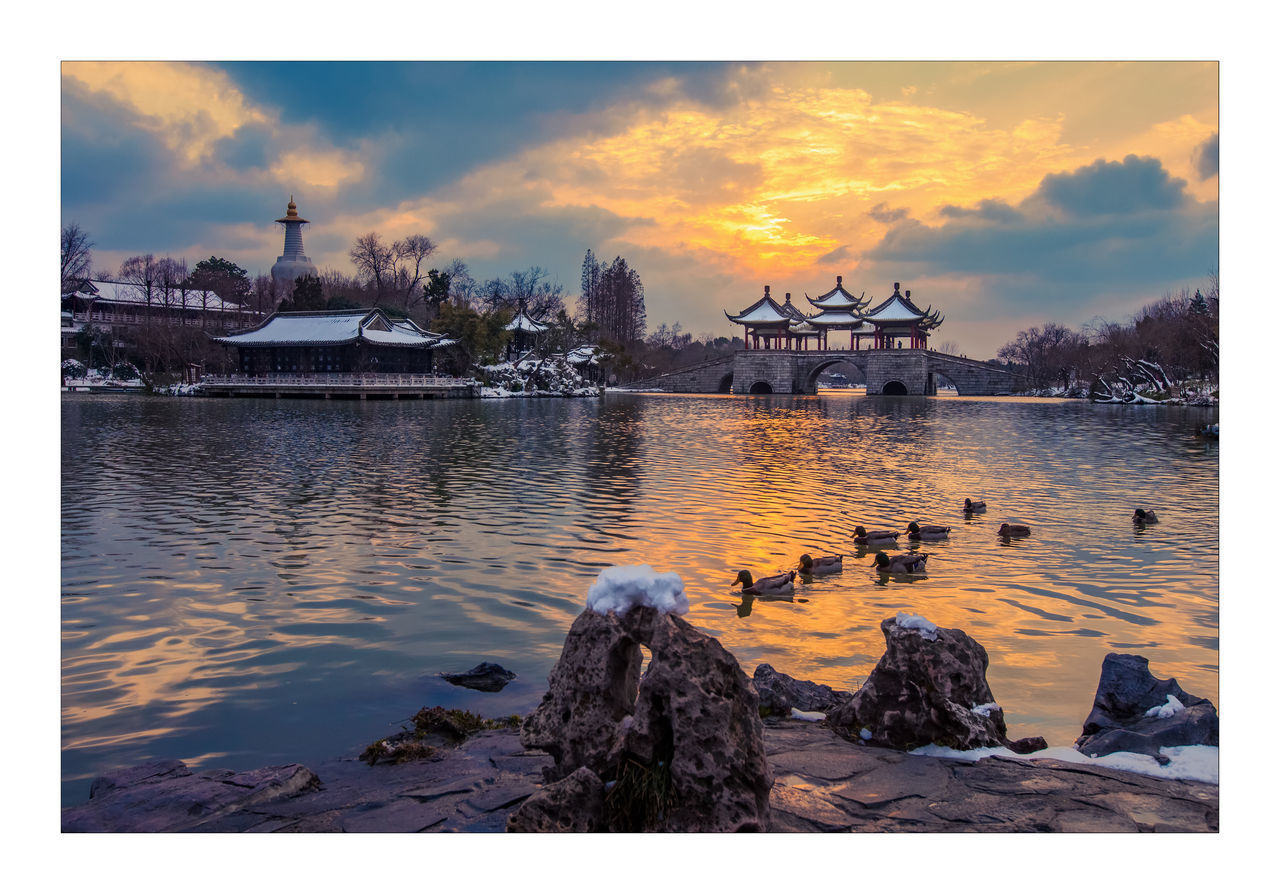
(822, 783)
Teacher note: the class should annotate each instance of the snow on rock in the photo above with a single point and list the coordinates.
(985, 710)
(535, 377)
(928, 629)
(811, 716)
(1197, 763)
(619, 588)
(1168, 709)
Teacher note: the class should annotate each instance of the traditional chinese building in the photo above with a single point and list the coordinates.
(119, 307)
(838, 310)
(774, 326)
(524, 331)
(292, 263)
(897, 319)
(335, 341)
(765, 324)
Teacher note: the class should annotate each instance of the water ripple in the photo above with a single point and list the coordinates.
(265, 579)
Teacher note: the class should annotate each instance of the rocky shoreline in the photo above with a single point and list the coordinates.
(821, 783)
(692, 744)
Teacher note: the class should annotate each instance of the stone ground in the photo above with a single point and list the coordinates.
(822, 783)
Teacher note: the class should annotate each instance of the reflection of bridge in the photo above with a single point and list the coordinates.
(886, 371)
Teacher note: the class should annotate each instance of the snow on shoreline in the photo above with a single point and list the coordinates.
(1195, 763)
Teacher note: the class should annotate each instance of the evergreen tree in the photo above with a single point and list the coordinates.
(308, 294)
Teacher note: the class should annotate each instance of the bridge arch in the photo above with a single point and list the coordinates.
(939, 379)
(726, 384)
(894, 387)
(760, 387)
(811, 377)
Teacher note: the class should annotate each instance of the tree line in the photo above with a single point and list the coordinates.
(397, 276)
(1166, 346)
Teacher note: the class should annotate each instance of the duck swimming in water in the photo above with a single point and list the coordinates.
(862, 536)
(926, 532)
(975, 505)
(903, 563)
(1008, 530)
(821, 565)
(1144, 517)
(773, 585)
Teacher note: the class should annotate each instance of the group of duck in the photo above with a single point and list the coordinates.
(902, 563)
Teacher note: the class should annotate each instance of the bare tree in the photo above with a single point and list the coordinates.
(409, 253)
(143, 273)
(374, 260)
(533, 289)
(76, 256)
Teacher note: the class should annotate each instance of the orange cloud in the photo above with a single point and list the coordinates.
(189, 107)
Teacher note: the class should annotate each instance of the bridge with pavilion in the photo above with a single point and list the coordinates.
(786, 350)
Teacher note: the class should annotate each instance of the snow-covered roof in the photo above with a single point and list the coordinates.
(764, 312)
(108, 291)
(522, 322)
(894, 310)
(584, 354)
(336, 327)
(836, 299)
(838, 318)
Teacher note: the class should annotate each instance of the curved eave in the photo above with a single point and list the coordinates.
(239, 342)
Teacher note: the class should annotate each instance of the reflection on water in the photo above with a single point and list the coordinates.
(247, 582)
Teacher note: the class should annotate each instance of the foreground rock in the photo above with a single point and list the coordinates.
(780, 693)
(484, 677)
(822, 784)
(1133, 711)
(929, 687)
(680, 749)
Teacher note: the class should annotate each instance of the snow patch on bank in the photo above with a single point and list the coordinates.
(1197, 763)
(619, 588)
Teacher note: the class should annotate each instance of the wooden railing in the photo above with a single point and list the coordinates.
(357, 380)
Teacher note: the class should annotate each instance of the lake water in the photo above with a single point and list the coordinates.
(251, 582)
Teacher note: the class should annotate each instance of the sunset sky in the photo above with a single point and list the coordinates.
(1005, 194)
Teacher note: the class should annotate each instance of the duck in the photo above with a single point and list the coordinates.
(862, 535)
(1008, 530)
(1144, 517)
(821, 565)
(766, 586)
(903, 563)
(975, 505)
(926, 532)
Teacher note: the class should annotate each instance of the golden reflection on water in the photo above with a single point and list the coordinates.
(325, 561)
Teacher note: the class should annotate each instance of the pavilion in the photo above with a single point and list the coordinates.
(525, 330)
(897, 317)
(334, 342)
(774, 326)
(767, 320)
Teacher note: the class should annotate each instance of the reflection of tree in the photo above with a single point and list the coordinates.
(611, 478)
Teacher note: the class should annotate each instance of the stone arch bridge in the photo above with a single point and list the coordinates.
(886, 371)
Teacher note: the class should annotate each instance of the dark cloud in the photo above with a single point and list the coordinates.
(1205, 157)
(250, 148)
(104, 158)
(885, 214)
(1151, 234)
(840, 255)
(435, 121)
(988, 209)
(1110, 187)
